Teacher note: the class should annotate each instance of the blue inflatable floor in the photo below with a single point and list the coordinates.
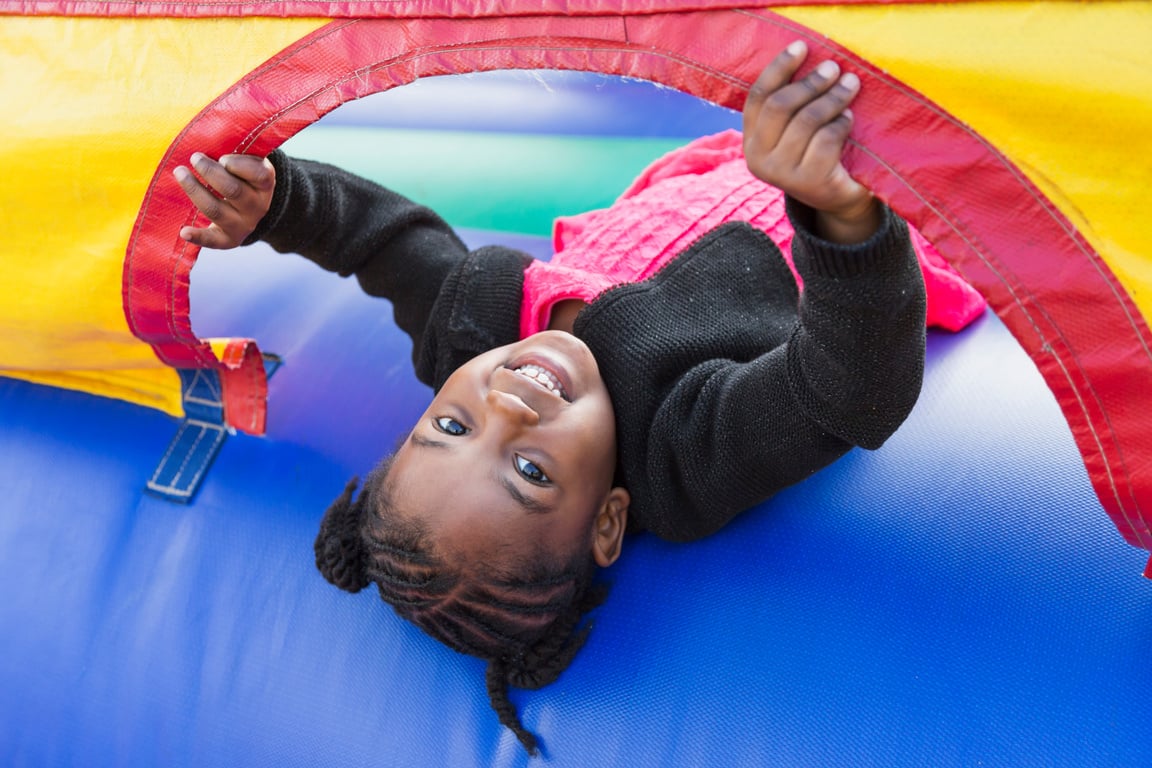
(958, 598)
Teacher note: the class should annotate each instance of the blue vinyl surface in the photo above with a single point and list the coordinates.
(958, 598)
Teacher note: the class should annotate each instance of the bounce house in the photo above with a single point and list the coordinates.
(173, 422)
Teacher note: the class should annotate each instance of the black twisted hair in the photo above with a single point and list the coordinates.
(524, 618)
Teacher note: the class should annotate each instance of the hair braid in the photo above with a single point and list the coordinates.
(543, 662)
(338, 547)
(497, 680)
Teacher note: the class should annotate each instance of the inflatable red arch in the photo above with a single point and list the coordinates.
(999, 231)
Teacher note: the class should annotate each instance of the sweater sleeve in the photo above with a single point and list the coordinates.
(856, 360)
(730, 434)
(397, 249)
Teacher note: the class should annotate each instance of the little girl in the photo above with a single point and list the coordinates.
(598, 394)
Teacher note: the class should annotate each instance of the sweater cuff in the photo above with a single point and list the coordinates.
(886, 251)
(281, 163)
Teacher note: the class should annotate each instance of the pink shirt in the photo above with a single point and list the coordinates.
(675, 201)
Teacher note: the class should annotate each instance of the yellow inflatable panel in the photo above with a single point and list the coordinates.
(97, 102)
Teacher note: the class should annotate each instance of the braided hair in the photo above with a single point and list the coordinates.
(524, 618)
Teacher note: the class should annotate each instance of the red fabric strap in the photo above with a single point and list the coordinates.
(411, 9)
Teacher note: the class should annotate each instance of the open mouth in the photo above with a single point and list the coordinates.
(542, 377)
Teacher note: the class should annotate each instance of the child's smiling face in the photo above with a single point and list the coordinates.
(517, 450)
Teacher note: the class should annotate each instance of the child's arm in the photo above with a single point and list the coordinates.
(397, 249)
(343, 222)
(730, 434)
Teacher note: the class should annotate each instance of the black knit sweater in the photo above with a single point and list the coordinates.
(726, 384)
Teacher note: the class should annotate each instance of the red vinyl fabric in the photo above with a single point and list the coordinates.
(429, 9)
(1076, 322)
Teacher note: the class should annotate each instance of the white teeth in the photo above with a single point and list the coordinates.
(542, 377)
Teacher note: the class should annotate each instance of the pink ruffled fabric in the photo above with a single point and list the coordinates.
(673, 202)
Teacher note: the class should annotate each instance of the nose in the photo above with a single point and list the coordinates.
(510, 410)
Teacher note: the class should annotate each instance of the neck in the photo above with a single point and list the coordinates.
(564, 314)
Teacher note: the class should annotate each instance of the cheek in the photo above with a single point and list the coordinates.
(598, 444)
(604, 425)
(475, 370)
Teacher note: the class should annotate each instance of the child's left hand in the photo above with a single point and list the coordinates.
(239, 195)
(794, 134)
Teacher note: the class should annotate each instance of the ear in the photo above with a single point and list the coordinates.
(609, 525)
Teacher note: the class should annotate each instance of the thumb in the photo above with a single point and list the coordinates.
(257, 171)
(208, 237)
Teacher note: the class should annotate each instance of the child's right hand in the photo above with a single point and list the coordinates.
(794, 134)
(239, 194)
